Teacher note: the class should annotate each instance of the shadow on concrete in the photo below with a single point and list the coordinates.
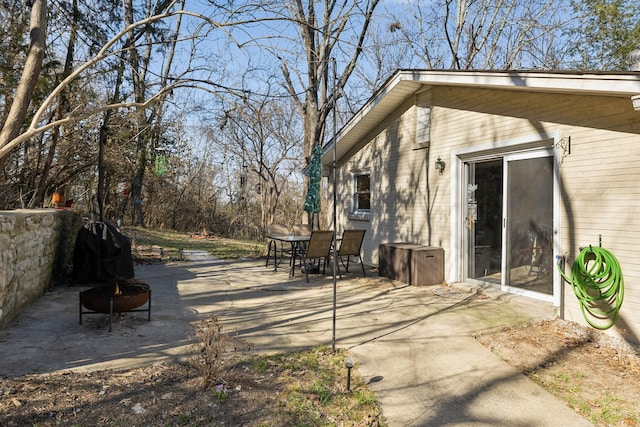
(414, 348)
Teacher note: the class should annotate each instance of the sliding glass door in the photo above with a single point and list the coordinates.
(508, 217)
(528, 213)
(483, 220)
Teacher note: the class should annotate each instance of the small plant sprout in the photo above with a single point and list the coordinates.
(221, 391)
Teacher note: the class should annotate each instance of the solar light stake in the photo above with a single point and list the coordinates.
(348, 363)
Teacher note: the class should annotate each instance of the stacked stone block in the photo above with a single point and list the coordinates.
(36, 249)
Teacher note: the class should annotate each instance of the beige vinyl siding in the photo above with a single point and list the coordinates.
(470, 117)
(397, 168)
(600, 176)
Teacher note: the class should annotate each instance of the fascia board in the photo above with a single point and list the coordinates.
(404, 83)
(616, 84)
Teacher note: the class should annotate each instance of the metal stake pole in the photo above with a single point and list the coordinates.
(335, 225)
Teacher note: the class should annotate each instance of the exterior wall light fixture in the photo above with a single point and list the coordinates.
(440, 165)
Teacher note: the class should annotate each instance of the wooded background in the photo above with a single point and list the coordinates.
(201, 115)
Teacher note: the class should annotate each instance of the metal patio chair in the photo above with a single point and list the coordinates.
(318, 248)
(301, 229)
(350, 245)
(273, 246)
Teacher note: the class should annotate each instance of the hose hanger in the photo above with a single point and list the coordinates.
(596, 279)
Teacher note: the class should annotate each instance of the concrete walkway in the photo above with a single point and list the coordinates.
(413, 345)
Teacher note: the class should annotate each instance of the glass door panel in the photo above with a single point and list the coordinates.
(484, 220)
(528, 254)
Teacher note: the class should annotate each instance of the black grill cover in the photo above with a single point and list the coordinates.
(101, 253)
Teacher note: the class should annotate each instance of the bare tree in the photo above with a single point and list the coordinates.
(304, 37)
(11, 135)
(22, 98)
(386, 51)
(263, 135)
(321, 25)
(15, 18)
(146, 117)
(485, 34)
(51, 161)
(37, 122)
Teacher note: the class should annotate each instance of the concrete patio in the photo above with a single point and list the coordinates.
(414, 345)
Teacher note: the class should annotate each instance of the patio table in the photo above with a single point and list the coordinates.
(296, 242)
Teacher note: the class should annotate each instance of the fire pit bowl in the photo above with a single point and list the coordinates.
(116, 296)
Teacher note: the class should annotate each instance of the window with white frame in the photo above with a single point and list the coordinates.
(361, 192)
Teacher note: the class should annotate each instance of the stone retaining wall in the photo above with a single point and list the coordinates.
(36, 250)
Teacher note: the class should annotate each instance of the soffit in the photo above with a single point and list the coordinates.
(404, 83)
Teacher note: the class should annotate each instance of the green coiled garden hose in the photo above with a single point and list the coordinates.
(596, 279)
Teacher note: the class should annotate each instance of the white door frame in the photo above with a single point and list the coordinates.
(457, 220)
(504, 286)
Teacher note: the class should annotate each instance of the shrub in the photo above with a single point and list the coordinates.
(209, 349)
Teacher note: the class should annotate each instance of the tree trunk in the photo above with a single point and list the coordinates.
(30, 73)
(104, 136)
(146, 130)
(61, 109)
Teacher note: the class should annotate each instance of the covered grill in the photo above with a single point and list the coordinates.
(101, 253)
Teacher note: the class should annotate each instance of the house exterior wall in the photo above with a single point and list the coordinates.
(598, 174)
(399, 195)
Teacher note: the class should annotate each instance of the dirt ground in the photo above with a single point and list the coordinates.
(165, 394)
(595, 375)
(252, 393)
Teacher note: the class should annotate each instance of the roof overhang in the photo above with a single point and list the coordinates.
(404, 83)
